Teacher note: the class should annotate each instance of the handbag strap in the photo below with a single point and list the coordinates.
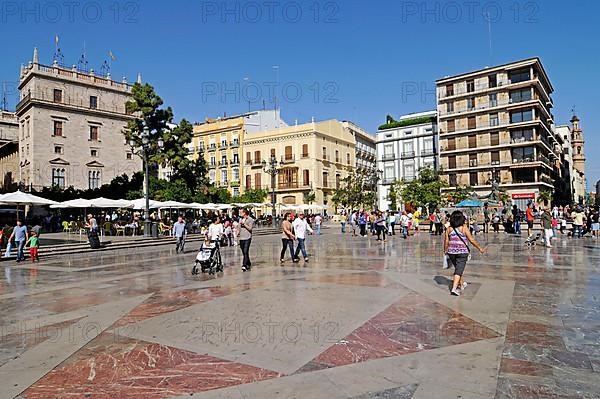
(463, 241)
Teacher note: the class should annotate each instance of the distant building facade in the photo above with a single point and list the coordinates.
(404, 150)
(71, 126)
(9, 151)
(496, 124)
(578, 170)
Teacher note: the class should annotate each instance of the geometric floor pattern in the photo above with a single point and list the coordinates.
(362, 320)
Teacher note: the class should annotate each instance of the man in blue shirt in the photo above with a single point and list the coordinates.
(179, 232)
(21, 236)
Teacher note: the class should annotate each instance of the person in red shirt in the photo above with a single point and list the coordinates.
(530, 217)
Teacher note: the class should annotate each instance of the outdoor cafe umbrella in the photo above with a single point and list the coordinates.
(140, 203)
(469, 203)
(75, 203)
(110, 203)
(20, 198)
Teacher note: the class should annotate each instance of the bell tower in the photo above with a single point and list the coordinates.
(577, 142)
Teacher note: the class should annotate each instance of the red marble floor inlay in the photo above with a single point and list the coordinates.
(170, 301)
(412, 324)
(125, 368)
(530, 333)
(370, 279)
(523, 367)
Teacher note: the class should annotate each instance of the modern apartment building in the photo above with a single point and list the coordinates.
(9, 150)
(405, 147)
(312, 158)
(221, 143)
(496, 124)
(71, 126)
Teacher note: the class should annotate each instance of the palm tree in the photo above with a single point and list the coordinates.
(544, 197)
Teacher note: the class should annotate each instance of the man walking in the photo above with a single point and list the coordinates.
(318, 221)
(179, 232)
(578, 219)
(21, 236)
(287, 238)
(246, 226)
(301, 226)
(530, 217)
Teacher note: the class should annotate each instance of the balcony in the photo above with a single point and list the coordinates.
(234, 144)
(235, 183)
(427, 152)
(224, 145)
(256, 163)
(235, 162)
(223, 163)
(212, 147)
(288, 159)
(388, 180)
(212, 166)
(388, 157)
(409, 178)
(287, 186)
(223, 184)
(407, 154)
(472, 163)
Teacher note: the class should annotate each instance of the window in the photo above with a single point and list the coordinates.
(93, 179)
(338, 180)
(494, 121)
(257, 157)
(94, 133)
(388, 173)
(452, 179)
(428, 146)
(473, 179)
(337, 156)
(521, 116)
(409, 172)
(273, 153)
(470, 103)
(451, 126)
(129, 155)
(493, 99)
(473, 141)
(452, 162)
(58, 149)
(449, 90)
(58, 177)
(248, 182)
(58, 128)
(306, 177)
(324, 152)
(235, 174)
(472, 160)
(521, 135)
(288, 153)
(248, 158)
(452, 144)
(407, 148)
(213, 161)
(58, 96)
(520, 76)
(94, 153)
(517, 96)
(494, 138)
(524, 154)
(236, 158)
(348, 159)
(470, 86)
(304, 150)
(236, 192)
(492, 81)
(495, 155)
(325, 178)
(496, 175)
(471, 123)
(212, 176)
(449, 107)
(408, 132)
(257, 182)
(93, 102)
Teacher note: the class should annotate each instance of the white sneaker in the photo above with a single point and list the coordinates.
(455, 292)
(464, 285)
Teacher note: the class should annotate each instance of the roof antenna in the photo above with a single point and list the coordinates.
(489, 20)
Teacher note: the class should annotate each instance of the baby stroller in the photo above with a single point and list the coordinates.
(532, 241)
(208, 259)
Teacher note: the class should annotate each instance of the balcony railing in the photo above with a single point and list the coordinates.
(223, 163)
(407, 154)
(388, 157)
(212, 165)
(288, 159)
(234, 144)
(388, 180)
(223, 145)
(212, 147)
(287, 186)
(234, 162)
(427, 152)
(81, 103)
(223, 184)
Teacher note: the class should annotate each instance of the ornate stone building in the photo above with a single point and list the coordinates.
(70, 127)
(9, 151)
(578, 170)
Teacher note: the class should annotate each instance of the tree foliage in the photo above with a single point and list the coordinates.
(424, 191)
(356, 191)
(255, 196)
(460, 194)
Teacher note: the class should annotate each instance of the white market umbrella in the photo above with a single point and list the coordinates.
(110, 203)
(75, 203)
(172, 204)
(141, 204)
(21, 198)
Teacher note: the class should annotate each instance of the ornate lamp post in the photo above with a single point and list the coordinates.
(272, 168)
(142, 150)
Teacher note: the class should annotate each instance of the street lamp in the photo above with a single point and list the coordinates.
(143, 152)
(271, 168)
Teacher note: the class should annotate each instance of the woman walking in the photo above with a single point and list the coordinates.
(287, 238)
(457, 249)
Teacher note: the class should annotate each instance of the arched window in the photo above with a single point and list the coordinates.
(578, 150)
(93, 179)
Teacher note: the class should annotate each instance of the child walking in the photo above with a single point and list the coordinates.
(34, 244)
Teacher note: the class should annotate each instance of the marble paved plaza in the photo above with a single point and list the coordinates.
(362, 320)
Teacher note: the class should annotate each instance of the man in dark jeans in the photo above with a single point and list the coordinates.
(246, 227)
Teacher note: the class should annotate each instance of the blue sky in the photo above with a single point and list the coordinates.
(351, 60)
